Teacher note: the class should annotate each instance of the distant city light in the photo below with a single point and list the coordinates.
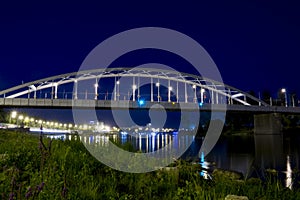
(141, 102)
(26, 119)
(13, 114)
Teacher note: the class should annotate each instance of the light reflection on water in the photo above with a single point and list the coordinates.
(250, 156)
(143, 143)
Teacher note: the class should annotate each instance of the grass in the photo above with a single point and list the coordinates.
(31, 168)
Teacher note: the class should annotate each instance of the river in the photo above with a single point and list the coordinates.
(249, 155)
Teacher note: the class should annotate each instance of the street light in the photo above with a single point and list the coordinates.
(13, 115)
(133, 92)
(293, 100)
(21, 117)
(96, 91)
(283, 90)
(157, 85)
(195, 93)
(26, 120)
(202, 92)
(118, 90)
(169, 93)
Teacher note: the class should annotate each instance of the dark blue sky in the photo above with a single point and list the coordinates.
(255, 44)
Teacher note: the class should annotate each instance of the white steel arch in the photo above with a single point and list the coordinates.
(217, 90)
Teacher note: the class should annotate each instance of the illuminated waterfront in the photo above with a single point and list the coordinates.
(243, 154)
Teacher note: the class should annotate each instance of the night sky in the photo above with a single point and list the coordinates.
(255, 44)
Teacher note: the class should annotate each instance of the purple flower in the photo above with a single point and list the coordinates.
(28, 195)
(64, 192)
(40, 187)
(11, 196)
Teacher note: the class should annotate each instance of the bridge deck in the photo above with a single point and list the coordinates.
(108, 104)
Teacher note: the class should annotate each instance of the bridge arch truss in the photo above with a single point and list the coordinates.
(175, 86)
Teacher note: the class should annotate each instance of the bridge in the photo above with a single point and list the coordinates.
(121, 104)
(134, 88)
(140, 88)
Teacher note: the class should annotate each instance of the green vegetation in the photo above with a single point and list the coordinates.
(31, 168)
(3, 115)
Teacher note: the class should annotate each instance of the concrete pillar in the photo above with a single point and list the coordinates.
(269, 153)
(267, 124)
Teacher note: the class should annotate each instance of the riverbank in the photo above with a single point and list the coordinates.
(31, 168)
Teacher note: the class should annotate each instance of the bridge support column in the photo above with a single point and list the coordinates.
(202, 93)
(177, 95)
(185, 94)
(195, 93)
(115, 89)
(55, 91)
(75, 89)
(169, 91)
(157, 85)
(267, 124)
(138, 89)
(96, 90)
(151, 92)
(133, 89)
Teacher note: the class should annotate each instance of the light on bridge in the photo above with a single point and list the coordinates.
(283, 90)
(141, 102)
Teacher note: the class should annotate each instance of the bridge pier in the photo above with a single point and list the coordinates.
(267, 124)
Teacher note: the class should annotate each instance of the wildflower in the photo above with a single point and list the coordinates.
(40, 187)
(11, 196)
(64, 192)
(28, 193)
